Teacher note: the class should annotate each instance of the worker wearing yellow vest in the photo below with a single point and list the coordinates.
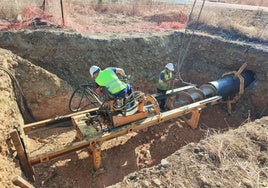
(164, 81)
(108, 78)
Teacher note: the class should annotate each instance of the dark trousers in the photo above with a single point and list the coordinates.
(122, 94)
(162, 102)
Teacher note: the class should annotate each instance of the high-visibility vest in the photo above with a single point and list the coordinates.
(108, 79)
(164, 85)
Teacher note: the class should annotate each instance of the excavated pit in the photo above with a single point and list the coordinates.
(56, 62)
(69, 56)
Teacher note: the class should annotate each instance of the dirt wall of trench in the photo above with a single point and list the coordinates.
(46, 94)
(69, 56)
(20, 78)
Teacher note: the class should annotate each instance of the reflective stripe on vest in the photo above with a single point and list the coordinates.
(164, 85)
(109, 79)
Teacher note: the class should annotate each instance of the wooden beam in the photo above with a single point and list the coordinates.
(32, 126)
(22, 183)
(25, 164)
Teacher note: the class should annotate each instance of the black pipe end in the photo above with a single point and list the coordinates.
(229, 85)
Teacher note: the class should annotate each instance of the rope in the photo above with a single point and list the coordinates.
(20, 97)
(182, 55)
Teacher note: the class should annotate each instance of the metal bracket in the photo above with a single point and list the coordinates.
(241, 87)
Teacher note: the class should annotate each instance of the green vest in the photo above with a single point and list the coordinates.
(164, 85)
(107, 78)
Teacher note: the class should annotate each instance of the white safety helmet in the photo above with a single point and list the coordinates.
(93, 69)
(170, 66)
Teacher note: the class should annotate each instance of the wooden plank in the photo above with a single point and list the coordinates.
(22, 183)
(45, 157)
(25, 164)
(51, 121)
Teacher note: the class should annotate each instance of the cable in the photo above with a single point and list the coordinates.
(21, 99)
(181, 54)
(186, 29)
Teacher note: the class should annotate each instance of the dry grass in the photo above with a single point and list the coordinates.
(247, 2)
(240, 152)
(9, 9)
(90, 14)
(251, 24)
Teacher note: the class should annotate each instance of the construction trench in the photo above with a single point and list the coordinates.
(217, 76)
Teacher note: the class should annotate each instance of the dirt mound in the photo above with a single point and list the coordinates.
(29, 16)
(237, 158)
(20, 79)
(10, 117)
(41, 88)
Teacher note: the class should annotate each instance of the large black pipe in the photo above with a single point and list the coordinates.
(228, 86)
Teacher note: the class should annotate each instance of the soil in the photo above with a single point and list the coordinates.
(224, 151)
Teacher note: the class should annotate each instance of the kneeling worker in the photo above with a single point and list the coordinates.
(108, 78)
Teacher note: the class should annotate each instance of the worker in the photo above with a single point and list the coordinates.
(164, 81)
(108, 78)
